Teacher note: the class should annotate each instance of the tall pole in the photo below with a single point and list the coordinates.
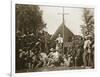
(63, 30)
(63, 14)
(45, 36)
(63, 23)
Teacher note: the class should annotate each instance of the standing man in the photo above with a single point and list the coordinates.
(59, 43)
(87, 52)
(59, 39)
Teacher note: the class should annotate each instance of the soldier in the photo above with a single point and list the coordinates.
(87, 52)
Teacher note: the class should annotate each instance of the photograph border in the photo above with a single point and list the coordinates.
(13, 74)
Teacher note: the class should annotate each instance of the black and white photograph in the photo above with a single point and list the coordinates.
(53, 38)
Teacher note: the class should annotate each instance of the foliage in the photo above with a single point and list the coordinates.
(88, 18)
(28, 18)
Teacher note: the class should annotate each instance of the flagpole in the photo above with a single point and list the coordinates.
(63, 23)
(63, 30)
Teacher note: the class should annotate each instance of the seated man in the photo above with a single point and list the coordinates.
(53, 57)
(50, 57)
(43, 58)
(67, 60)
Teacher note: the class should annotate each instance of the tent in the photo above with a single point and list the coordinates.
(65, 33)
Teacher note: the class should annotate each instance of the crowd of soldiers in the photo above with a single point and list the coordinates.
(31, 55)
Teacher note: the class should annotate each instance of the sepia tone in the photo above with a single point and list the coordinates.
(44, 45)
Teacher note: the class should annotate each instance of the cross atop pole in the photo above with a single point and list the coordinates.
(63, 13)
(63, 21)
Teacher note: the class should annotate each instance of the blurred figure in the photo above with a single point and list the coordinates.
(67, 60)
(22, 59)
(50, 57)
(59, 39)
(53, 57)
(43, 58)
(87, 52)
(59, 44)
(29, 59)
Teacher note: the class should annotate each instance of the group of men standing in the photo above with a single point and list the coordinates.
(86, 50)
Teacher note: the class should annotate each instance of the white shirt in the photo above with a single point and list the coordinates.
(57, 47)
(56, 56)
(87, 44)
(60, 40)
(43, 56)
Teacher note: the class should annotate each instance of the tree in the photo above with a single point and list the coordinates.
(88, 19)
(28, 24)
(28, 19)
(88, 29)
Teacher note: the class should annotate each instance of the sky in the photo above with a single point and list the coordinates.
(53, 18)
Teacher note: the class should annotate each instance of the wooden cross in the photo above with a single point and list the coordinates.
(63, 14)
(63, 20)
